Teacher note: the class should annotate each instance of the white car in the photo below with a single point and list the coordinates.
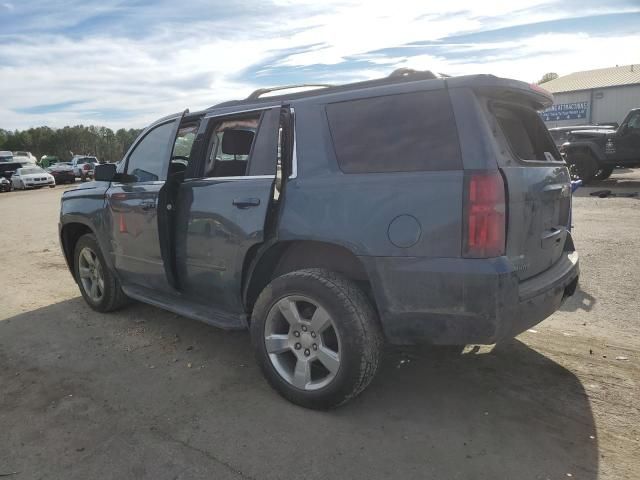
(6, 156)
(24, 158)
(32, 177)
(84, 166)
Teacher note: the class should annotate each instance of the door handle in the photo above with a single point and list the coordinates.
(246, 202)
(148, 205)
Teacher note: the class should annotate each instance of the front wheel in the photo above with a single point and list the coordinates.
(316, 338)
(98, 285)
(603, 173)
(582, 166)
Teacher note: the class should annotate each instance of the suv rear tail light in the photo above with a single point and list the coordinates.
(86, 166)
(484, 215)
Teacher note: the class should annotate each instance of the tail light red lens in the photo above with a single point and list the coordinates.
(485, 215)
(86, 166)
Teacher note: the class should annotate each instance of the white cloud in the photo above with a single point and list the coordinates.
(173, 65)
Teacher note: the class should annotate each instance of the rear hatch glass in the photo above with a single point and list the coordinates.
(538, 189)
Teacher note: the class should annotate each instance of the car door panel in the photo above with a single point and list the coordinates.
(214, 236)
(135, 243)
(219, 219)
(132, 203)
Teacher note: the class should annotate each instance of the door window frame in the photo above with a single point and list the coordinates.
(207, 127)
(151, 128)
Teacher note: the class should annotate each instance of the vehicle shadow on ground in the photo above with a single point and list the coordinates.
(143, 393)
(580, 300)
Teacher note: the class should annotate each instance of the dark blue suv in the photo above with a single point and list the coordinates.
(409, 209)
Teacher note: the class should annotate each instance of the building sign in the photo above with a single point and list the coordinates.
(565, 111)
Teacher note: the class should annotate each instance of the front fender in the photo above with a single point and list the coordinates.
(86, 206)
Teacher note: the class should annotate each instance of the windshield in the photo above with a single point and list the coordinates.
(29, 171)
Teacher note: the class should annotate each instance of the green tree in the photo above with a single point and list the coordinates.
(547, 77)
(67, 141)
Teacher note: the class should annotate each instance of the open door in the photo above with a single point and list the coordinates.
(221, 211)
(132, 205)
(181, 156)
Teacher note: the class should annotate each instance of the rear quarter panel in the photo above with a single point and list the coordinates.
(356, 210)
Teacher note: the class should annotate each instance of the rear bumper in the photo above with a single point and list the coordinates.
(454, 301)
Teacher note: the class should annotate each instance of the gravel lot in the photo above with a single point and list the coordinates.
(143, 393)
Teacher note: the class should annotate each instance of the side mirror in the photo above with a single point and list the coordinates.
(105, 172)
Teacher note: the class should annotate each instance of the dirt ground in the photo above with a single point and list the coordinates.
(143, 393)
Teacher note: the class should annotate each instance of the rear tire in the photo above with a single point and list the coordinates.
(90, 269)
(603, 173)
(582, 166)
(321, 309)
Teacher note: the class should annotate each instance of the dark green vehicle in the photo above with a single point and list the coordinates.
(409, 209)
(593, 154)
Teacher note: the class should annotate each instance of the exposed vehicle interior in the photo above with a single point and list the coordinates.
(229, 148)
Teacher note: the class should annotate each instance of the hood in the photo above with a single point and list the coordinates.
(595, 133)
(35, 175)
(84, 186)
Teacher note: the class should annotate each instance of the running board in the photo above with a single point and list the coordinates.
(209, 315)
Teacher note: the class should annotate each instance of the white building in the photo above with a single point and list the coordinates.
(592, 97)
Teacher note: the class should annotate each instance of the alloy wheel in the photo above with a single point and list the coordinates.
(91, 274)
(302, 342)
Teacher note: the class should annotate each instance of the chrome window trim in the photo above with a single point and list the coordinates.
(294, 157)
(239, 112)
(247, 177)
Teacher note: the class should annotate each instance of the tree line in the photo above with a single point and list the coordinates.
(104, 143)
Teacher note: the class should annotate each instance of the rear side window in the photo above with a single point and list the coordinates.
(527, 135)
(395, 133)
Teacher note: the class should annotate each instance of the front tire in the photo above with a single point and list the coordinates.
(582, 166)
(316, 338)
(603, 173)
(98, 285)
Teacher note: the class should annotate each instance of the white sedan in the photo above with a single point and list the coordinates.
(32, 177)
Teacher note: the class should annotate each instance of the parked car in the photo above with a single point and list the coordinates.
(7, 169)
(5, 185)
(48, 160)
(408, 209)
(561, 134)
(32, 177)
(6, 156)
(62, 172)
(83, 166)
(24, 157)
(593, 154)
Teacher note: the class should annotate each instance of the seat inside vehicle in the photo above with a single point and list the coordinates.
(235, 143)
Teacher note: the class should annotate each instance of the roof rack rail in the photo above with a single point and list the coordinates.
(405, 72)
(261, 91)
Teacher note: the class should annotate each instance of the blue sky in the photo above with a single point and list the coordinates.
(124, 63)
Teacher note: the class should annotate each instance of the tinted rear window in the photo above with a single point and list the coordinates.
(395, 133)
(526, 133)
